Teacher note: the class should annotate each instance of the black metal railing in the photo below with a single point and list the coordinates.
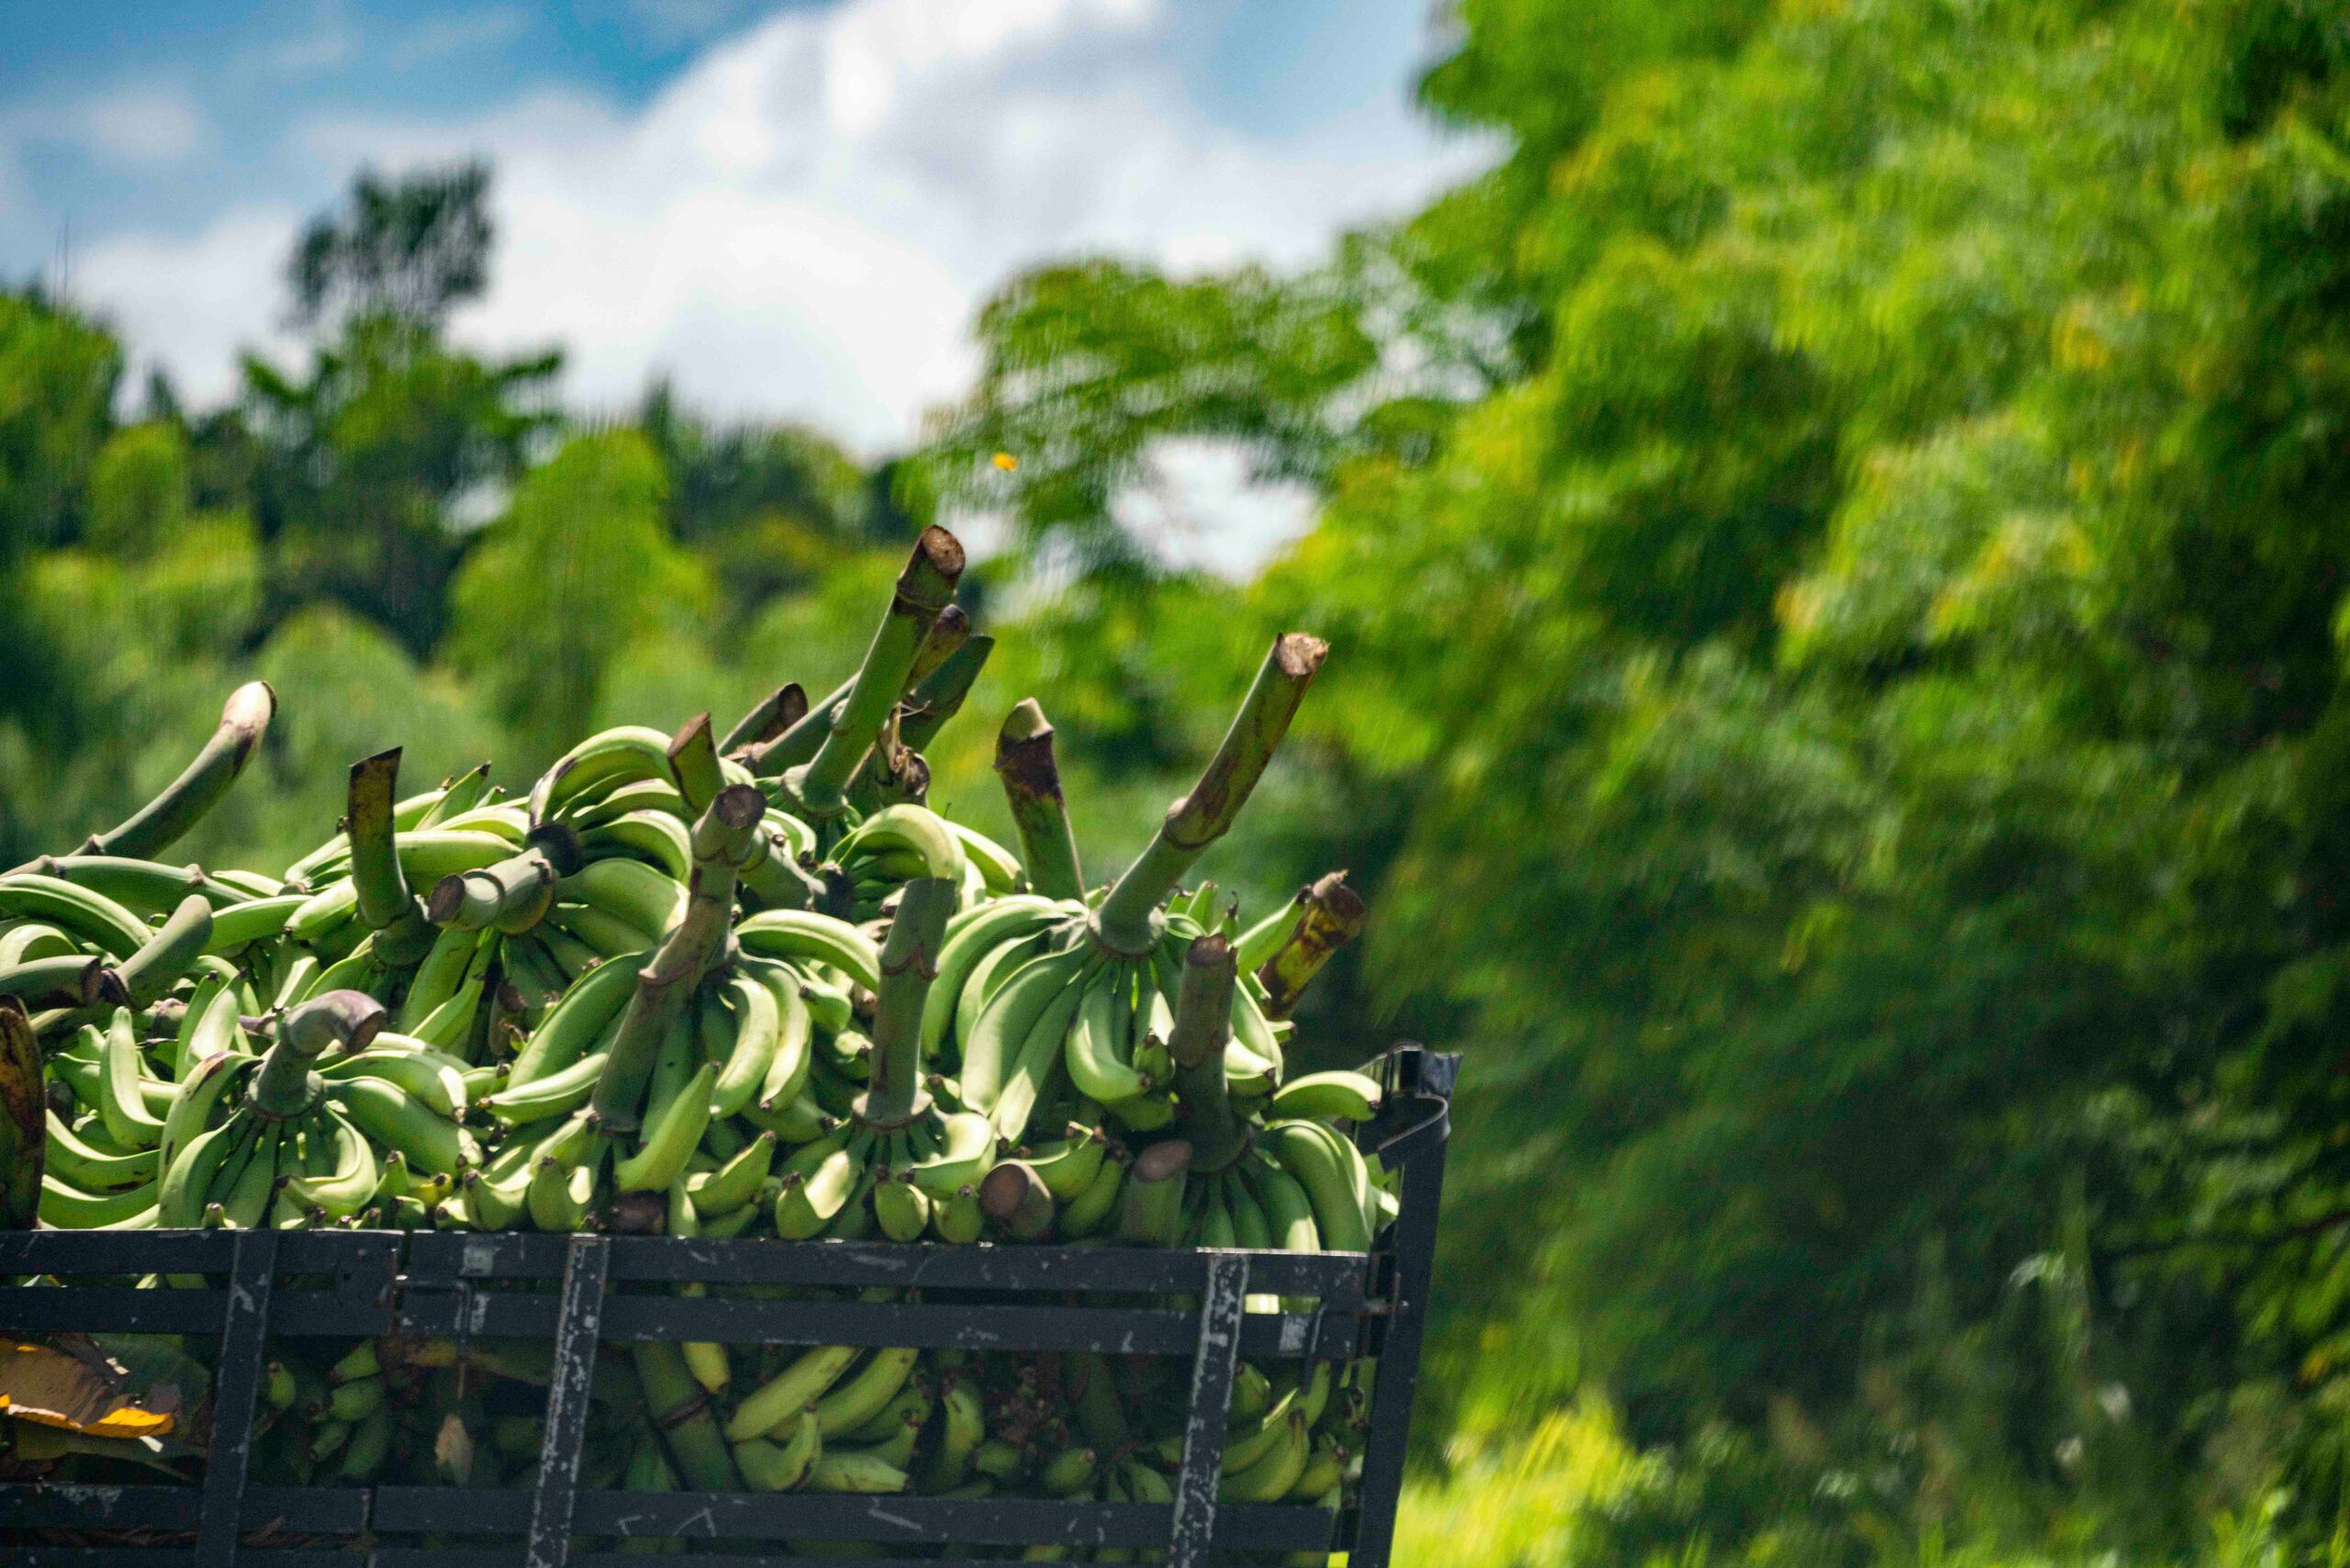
(358, 1284)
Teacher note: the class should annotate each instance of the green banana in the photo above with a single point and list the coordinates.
(794, 1391)
(407, 1123)
(575, 1023)
(122, 1084)
(670, 1138)
(803, 934)
(657, 837)
(781, 1467)
(95, 1170)
(555, 1094)
(996, 1046)
(1325, 1096)
(846, 1470)
(758, 1030)
(624, 755)
(736, 1182)
(68, 1207)
(629, 892)
(1331, 1171)
(862, 1396)
(89, 915)
(972, 937)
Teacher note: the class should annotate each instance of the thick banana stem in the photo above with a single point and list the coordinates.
(799, 738)
(767, 870)
(949, 630)
(722, 837)
(286, 1087)
(1329, 915)
(779, 883)
(693, 762)
(681, 1410)
(24, 1127)
(169, 954)
(775, 713)
(925, 587)
(345, 1020)
(893, 1091)
(1150, 1204)
(895, 771)
(938, 697)
(1127, 919)
(798, 735)
(513, 895)
(1014, 1196)
(164, 820)
(1032, 785)
(1202, 1027)
(385, 905)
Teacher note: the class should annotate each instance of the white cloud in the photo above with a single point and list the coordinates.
(803, 222)
(1199, 508)
(144, 125)
(203, 300)
(137, 125)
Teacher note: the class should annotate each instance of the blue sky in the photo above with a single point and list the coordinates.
(789, 208)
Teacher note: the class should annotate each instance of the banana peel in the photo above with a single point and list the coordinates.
(24, 1130)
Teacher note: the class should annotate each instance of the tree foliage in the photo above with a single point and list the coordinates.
(411, 247)
(1851, 671)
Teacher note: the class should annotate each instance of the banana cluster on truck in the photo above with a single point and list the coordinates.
(738, 984)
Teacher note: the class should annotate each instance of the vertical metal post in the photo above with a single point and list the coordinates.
(578, 1326)
(244, 1330)
(1219, 1354)
(1399, 1358)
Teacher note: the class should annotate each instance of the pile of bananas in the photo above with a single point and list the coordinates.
(712, 985)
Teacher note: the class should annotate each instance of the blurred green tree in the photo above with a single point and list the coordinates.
(580, 569)
(1835, 558)
(411, 247)
(368, 470)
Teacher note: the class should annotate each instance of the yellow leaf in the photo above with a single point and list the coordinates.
(87, 1394)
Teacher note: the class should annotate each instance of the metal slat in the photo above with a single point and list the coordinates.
(1337, 1278)
(312, 1510)
(423, 1557)
(28, 1505)
(575, 1371)
(235, 1388)
(118, 1309)
(1399, 1352)
(116, 1251)
(809, 1515)
(1221, 1300)
(169, 1557)
(1117, 1331)
(111, 1309)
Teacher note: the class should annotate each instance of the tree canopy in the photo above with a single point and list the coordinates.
(1835, 558)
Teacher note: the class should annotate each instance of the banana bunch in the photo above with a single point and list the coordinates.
(1294, 1433)
(834, 1418)
(1039, 984)
(682, 1067)
(290, 1137)
(901, 843)
(900, 1163)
